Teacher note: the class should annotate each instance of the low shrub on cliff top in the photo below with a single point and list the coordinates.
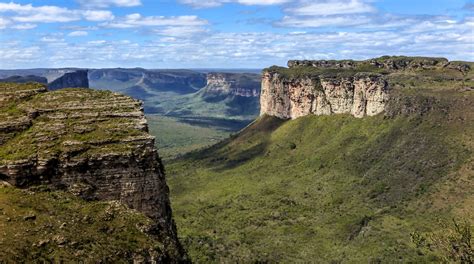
(53, 226)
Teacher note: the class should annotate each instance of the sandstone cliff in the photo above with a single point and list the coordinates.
(246, 85)
(93, 143)
(358, 88)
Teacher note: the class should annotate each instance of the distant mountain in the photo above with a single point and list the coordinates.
(77, 79)
(25, 79)
(122, 80)
(202, 93)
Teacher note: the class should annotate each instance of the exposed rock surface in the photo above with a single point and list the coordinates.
(386, 62)
(77, 79)
(93, 143)
(359, 88)
(246, 85)
(359, 95)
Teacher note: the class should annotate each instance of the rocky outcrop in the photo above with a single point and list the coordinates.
(25, 79)
(358, 88)
(77, 79)
(359, 95)
(239, 84)
(93, 143)
(391, 63)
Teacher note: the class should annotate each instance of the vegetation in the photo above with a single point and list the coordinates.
(175, 136)
(40, 225)
(328, 188)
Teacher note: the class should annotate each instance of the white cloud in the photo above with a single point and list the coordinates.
(43, 14)
(98, 15)
(136, 20)
(49, 14)
(108, 3)
(323, 21)
(332, 7)
(24, 26)
(4, 23)
(215, 3)
(78, 34)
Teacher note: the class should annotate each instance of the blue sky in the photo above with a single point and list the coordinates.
(228, 33)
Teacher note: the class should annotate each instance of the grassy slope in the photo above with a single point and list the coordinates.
(173, 137)
(328, 188)
(43, 226)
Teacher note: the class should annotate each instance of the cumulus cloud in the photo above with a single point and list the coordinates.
(78, 34)
(215, 3)
(108, 3)
(255, 49)
(137, 20)
(332, 7)
(29, 14)
(97, 15)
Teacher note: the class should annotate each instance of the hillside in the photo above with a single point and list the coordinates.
(337, 187)
(91, 144)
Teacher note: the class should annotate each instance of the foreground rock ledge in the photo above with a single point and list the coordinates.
(93, 143)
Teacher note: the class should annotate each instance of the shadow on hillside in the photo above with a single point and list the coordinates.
(249, 144)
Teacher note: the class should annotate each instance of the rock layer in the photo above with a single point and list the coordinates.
(92, 143)
(245, 85)
(289, 98)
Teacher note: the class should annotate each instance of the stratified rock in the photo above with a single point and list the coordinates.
(359, 95)
(93, 143)
(358, 88)
(238, 84)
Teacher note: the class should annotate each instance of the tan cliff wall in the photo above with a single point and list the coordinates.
(245, 85)
(93, 143)
(289, 98)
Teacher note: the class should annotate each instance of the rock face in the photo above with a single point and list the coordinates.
(92, 143)
(385, 62)
(359, 88)
(77, 79)
(359, 95)
(246, 85)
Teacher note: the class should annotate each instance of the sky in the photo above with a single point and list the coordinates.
(228, 33)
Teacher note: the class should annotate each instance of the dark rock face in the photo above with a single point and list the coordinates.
(93, 143)
(77, 79)
(25, 79)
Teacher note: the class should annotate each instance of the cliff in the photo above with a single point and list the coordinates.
(358, 88)
(77, 79)
(246, 85)
(93, 144)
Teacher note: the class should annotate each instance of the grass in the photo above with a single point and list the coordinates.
(327, 189)
(92, 120)
(175, 137)
(53, 226)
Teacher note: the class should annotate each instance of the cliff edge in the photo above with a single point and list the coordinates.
(358, 88)
(94, 144)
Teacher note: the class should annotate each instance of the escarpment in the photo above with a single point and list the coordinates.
(359, 95)
(358, 88)
(245, 85)
(94, 144)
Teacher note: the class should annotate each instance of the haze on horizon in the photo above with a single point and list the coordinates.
(228, 33)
